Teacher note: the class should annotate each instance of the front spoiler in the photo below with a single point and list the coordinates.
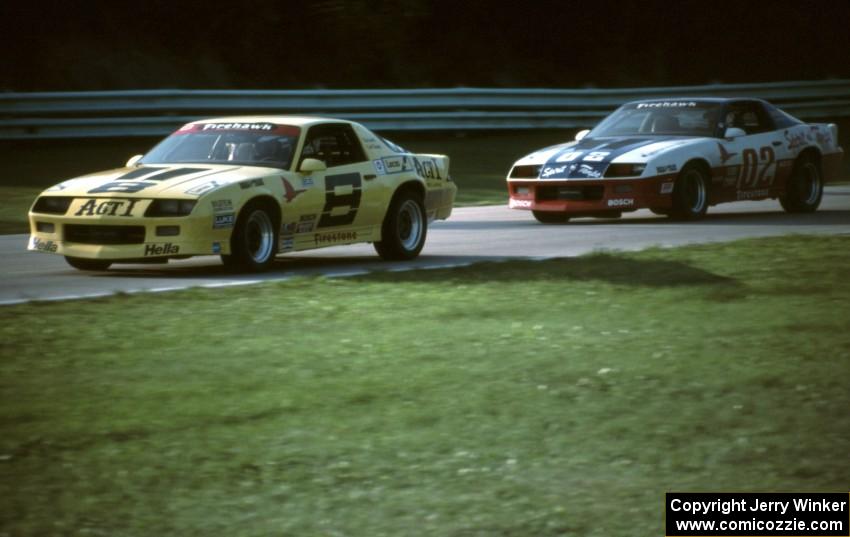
(590, 197)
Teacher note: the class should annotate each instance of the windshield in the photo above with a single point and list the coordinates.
(668, 118)
(248, 144)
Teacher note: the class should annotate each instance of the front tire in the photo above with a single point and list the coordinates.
(804, 190)
(690, 194)
(80, 263)
(253, 244)
(404, 229)
(549, 217)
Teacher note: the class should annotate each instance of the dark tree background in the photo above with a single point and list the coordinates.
(66, 45)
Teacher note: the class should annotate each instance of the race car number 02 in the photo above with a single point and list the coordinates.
(750, 164)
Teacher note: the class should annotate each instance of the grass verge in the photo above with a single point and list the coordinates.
(516, 399)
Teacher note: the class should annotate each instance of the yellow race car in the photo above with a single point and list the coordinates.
(247, 188)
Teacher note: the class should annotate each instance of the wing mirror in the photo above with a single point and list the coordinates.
(734, 132)
(134, 160)
(310, 165)
(581, 134)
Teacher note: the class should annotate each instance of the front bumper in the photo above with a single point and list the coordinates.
(580, 196)
(118, 239)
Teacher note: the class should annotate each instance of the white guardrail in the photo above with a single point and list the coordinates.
(159, 112)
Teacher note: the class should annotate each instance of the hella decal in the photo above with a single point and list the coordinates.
(44, 246)
(161, 249)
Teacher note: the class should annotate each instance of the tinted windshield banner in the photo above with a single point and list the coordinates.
(257, 128)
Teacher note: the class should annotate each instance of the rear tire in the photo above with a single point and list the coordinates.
(548, 217)
(804, 190)
(254, 241)
(404, 229)
(690, 194)
(80, 263)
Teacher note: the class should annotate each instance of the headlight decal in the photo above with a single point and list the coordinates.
(170, 207)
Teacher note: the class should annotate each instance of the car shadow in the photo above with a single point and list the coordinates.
(762, 218)
(288, 266)
(612, 268)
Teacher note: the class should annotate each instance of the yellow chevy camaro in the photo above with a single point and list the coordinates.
(247, 188)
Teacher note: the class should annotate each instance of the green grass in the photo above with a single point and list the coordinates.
(516, 399)
(13, 211)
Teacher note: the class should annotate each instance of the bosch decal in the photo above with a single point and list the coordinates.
(621, 202)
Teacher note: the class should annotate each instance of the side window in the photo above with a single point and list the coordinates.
(749, 116)
(334, 144)
(781, 119)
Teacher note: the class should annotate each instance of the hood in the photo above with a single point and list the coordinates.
(158, 180)
(589, 158)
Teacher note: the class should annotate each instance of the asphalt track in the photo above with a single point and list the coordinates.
(472, 234)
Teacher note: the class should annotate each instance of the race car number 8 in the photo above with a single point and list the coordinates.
(334, 200)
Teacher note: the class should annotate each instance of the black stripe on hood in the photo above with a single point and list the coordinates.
(586, 165)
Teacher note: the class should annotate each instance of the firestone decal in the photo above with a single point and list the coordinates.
(341, 236)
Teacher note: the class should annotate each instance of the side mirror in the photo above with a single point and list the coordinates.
(310, 165)
(134, 160)
(581, 134)
(734, 132)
